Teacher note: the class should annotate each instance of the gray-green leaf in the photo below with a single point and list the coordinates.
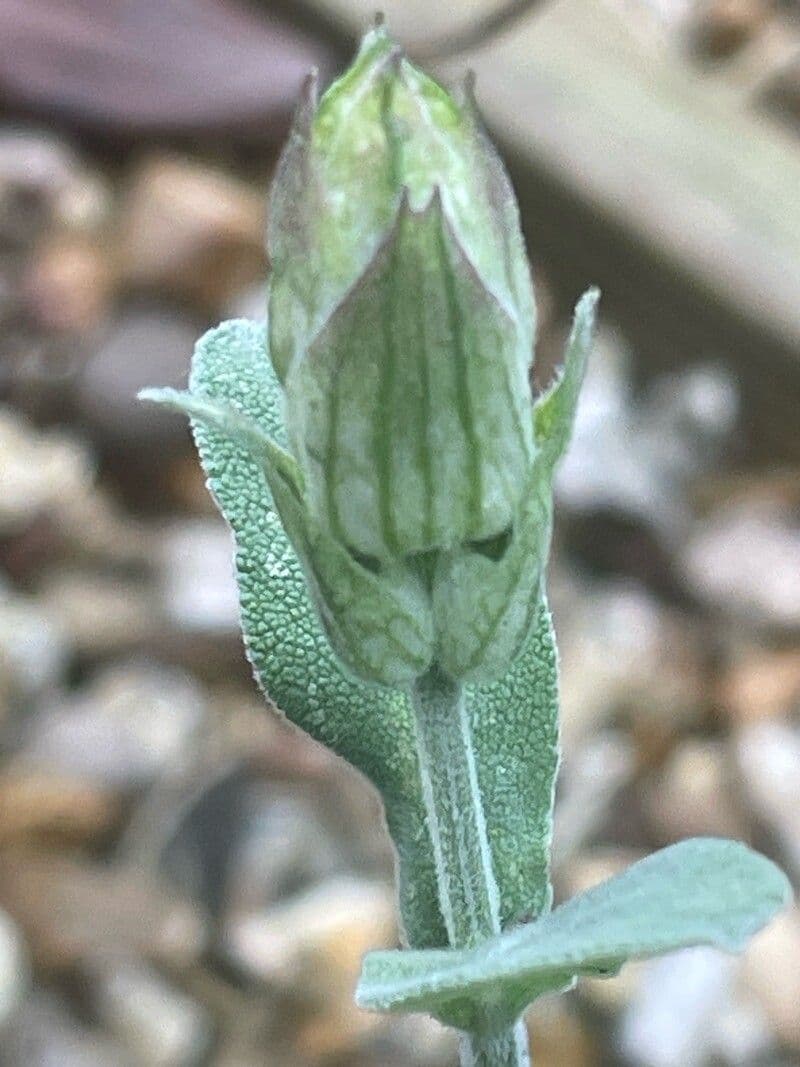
(700, 892)
(514, 723)
(371, 728)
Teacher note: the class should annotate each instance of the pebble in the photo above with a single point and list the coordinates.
(742, 1032)
(192, 231)
(558, 1037)
(692, 794)
(87, 207)
(69, 284)
(621, 650)
(721, 28)
(761, 683)
(40, 807)
(40, 471)
(34, 649)
(745, 560)
(197, 577)
(45, 1034)
(34, 159)
(419, 1040)
(134, 722)
(314, 940)
(595, 865)
(768, 760)
(207, 71)
(591, 779)
(239, 834)
(74, 912)
(311, 946)
(161, 1025)
(634, 457)
(780, 96)
(100, 613)
(36, 169)
(771, 971)
(147, 344)
(285, 844)
(250, 303)
(605, 467)
(669, 1022)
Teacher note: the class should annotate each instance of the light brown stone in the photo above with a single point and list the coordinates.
(71, 912)
(193, 230)
(39, 806)
(761, 684)
(69, 284)
(692, 795)
(558, 1037)
(312, 946)
(772, 972)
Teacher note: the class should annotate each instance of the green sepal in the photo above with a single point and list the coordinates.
(486, 594)
(411, 413)
(701, 892)
(379, 623)
(554, 411)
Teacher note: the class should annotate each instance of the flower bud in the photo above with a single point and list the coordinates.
(401, 327)
(401, 313)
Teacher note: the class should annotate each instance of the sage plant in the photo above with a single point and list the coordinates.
(387, 476)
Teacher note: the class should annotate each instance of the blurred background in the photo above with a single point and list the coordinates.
(184, 881)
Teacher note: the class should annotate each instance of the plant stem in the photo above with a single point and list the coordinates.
(506, 1049)
(468, 893)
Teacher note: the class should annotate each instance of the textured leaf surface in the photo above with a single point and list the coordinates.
(515, 731)
(703, 891)
(372, 728)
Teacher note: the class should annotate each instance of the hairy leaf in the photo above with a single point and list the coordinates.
(700, 892)
(514, 724)
(371, 728)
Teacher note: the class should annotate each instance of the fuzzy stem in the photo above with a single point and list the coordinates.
(509, 1048)
(468, 893)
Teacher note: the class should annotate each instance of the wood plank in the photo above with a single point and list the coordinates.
(635, 132)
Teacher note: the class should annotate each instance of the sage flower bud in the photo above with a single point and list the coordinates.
(401, 314)
(401, 327)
